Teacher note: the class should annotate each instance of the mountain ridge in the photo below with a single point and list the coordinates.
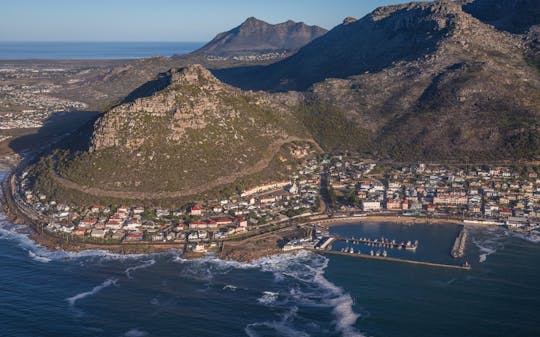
(257, 36)
(417, 81)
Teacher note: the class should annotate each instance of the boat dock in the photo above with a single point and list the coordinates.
(458, 250)
(383, 243)
(393, 259)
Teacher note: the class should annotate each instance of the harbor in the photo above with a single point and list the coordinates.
(382, 242)
(325, 243)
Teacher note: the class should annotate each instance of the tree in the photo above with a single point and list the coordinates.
(332, 196)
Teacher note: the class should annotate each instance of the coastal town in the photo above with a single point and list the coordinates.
(327, 188)
(29, 94)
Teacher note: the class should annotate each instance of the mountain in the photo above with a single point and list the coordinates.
(514, 16)
(418, 80)
(255, 36)
(184, 134)
(100, 89)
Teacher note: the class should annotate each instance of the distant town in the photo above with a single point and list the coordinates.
(323, 189)
(29, 95)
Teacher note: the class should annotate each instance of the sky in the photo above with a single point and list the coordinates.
(161, 20)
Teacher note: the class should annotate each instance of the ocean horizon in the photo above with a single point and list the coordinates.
(93, 50)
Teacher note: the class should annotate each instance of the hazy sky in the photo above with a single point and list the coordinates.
(161, 20)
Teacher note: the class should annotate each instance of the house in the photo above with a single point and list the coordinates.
(80, 232)
(134, 237)
(242, 222)
(196, 210)
(212, 224)
(98, 233)
(123, 210)
(198, 225)
(371, 206)
(405, 204)
(87, 222)
(97, 209)
(393, 205)
(138, 210)
(133, 224)
(114, 224)
(224, 222)
(505, 212)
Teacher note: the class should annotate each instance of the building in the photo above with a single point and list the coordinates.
(371, 206)
(196, 210)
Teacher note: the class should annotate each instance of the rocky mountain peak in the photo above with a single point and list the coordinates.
(255, 36)
(252, 21)
(349, 19)
(192, 74)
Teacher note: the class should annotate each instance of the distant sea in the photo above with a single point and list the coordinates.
(93, 50)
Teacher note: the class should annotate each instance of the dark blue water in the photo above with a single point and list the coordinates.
(93, 50)
(46, 293)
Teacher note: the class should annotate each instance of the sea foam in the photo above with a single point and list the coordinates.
(144, 265)
(309, 268)
(107, 283)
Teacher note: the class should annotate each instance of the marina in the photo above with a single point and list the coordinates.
(380, 242)
(323, 245)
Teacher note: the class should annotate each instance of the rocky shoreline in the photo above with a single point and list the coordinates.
(242, 251)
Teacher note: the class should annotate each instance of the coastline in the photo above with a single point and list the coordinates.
(247, 249)
(400, 219)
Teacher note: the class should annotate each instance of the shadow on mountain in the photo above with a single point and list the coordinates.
(387, 36)
(61, 130)
(514, 16)
(149, 88)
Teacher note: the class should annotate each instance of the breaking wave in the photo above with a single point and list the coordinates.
(313, 289)
(144, 265)
(302, 274)
(531, 237)
(488, 241)
(107, 283)
(39, 253)
(38, 258)
(268, 297)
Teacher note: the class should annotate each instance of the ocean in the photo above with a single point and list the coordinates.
(93, 50)
(94, 293)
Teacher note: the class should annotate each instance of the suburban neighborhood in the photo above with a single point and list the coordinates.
(327, 187)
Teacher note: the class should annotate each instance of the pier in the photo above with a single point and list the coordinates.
(458, 250)
(393, 259)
